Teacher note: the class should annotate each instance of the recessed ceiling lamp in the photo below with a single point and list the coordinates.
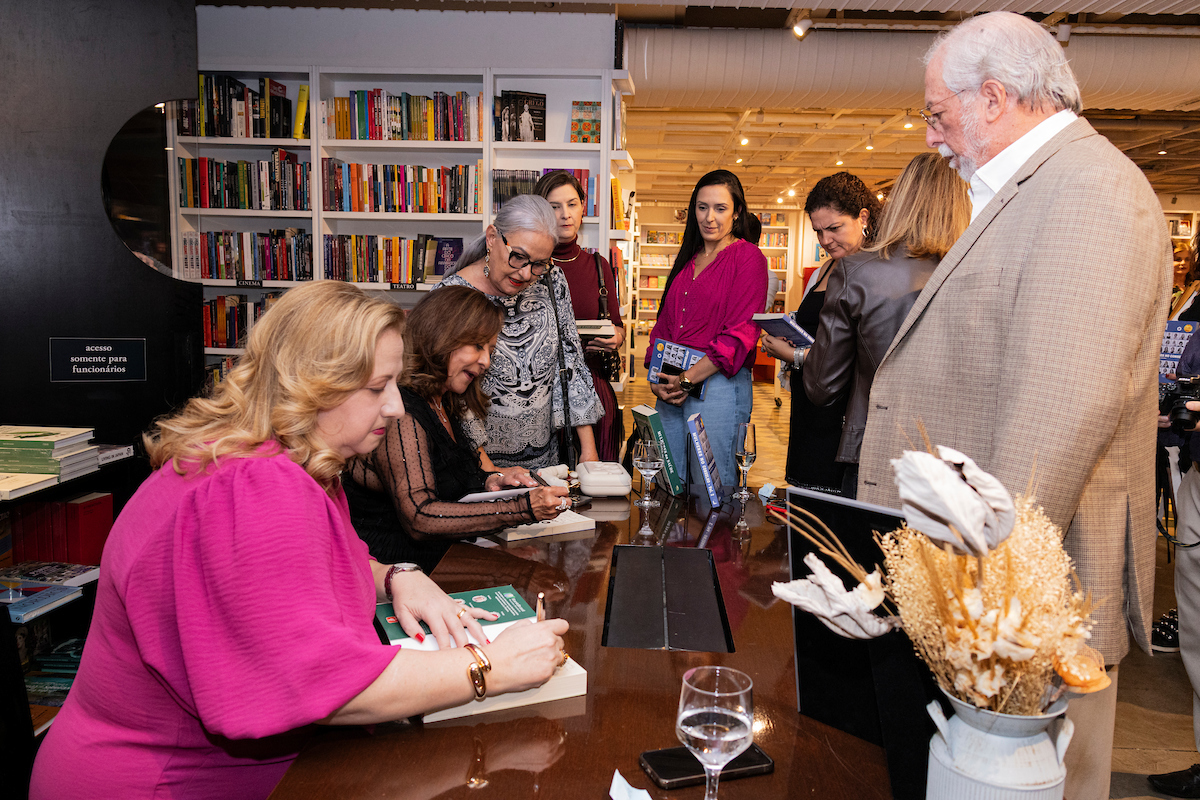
(745, 141)
(778, 199)
(801, 28)
(838, 163)
(907, 120)
(738, 161)
(791, 192)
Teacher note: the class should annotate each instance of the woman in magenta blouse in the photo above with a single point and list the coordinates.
(714, 289)
(235, 603)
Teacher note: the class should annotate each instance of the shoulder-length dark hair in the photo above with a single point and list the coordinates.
(846, 194)
(560, 177)
(692, 241)
(445, 320)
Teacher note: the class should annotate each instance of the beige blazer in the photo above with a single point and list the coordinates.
(1037, 340)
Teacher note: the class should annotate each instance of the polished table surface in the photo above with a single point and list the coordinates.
(569, 748)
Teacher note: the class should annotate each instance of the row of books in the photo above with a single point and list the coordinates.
(652, 282)
(215, 372)
(226, 319)
(508, 183)
(227, 107)
(773, 240)
(656, 260)
(73, 530)
(663, 237)
(649, 304)
(400, 187)
(766, 218)
(394, 260)
(281, 183)
(777, 262)
(585, 121)
(519, 117)
(376, 114)
(278, 254)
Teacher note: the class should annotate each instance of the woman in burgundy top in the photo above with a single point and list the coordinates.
(583, 270)
(714, 289)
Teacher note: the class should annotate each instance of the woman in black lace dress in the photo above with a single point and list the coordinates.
(403, 495)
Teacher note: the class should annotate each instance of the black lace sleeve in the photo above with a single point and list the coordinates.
(402, 468)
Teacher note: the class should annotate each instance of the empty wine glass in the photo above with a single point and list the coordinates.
(14, 593)
(744, 451)
(647, 460)
(716, 718)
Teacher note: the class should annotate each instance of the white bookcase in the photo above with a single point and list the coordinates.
(561, 87)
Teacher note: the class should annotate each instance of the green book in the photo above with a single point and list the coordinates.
(649, 425)
(502, 600)
(40, 437)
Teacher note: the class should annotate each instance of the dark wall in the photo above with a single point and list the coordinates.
(73, 73)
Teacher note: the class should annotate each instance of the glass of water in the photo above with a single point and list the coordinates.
(716, 718)
(745, 451)
(647, 460)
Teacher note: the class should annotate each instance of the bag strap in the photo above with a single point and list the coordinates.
(572, 456)
(603, 288)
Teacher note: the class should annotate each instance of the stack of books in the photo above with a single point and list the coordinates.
(40, 450)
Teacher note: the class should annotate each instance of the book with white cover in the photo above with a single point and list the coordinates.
(566, 522)
(17, 484)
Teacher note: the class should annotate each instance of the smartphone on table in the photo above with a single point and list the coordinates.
(675, 767)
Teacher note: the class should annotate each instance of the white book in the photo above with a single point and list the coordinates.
(17, 484)
(569, 681)
(566, 522)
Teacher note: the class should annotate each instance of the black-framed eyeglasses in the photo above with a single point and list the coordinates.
(519, 261)
(935, 120)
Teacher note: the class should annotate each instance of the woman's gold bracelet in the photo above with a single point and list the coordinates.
(477, 670)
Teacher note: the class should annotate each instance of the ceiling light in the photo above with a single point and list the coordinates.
(690, 167)
(745, 141)
(879, 196)
(839, 162)
(1162, 147)
(778, 199)
(1064, 32)
(759, 116)
(738, 161)
(791, 192)
(907, 120)
(871, 142)
(801, 28)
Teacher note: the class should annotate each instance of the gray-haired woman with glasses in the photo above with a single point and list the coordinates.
(510, 263)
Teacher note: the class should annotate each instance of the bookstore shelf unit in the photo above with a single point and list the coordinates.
(482, 153)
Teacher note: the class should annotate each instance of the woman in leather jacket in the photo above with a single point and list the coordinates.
(871, 292)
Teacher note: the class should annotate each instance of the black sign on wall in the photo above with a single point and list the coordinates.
(93, 360)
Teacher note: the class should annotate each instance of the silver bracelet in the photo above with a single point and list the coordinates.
(403, 566)
(798, 356)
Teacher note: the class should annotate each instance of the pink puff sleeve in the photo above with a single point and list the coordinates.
(744, 277)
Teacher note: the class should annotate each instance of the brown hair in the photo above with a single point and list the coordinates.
(552, 180)
(309, 352)
(927, 212)
(445, 320)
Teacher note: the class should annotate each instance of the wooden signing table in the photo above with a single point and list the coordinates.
(569, 748)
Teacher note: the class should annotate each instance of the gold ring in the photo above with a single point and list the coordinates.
(461, 611)
(564, 658)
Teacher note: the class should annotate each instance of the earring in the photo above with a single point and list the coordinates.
(487, 263)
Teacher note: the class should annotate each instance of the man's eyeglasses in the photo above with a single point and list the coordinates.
(934, 120)
(518, 261)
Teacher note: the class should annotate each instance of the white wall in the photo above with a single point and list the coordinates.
(343, 37)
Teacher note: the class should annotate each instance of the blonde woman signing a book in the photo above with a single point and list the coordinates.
(236, 603)
(403, 495)
(713, 291)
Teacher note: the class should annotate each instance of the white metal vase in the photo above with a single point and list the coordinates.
(982, 755)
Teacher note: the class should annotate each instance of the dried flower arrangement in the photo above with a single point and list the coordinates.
(980, 584)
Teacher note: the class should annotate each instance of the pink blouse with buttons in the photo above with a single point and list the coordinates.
(713, 312)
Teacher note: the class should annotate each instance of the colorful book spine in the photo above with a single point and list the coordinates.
(650, 428)
(705, 460)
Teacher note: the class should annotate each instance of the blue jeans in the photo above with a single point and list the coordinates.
(727, 401)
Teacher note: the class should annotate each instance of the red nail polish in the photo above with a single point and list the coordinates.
(487, 640)
(420, 637)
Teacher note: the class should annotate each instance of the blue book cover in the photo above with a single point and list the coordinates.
(704, 456)
(41, 601)
(784, 326)
(1175, 338)
(670, 358)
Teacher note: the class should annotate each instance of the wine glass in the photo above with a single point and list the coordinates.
(648, 461)
(744, 451)
(716, 718)
(14, 592)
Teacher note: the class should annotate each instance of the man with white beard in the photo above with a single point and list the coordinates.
(1067, 255)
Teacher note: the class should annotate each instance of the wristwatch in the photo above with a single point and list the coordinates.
(403, 566)
(685, 384)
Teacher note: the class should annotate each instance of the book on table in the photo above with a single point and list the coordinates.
(566, 522)
(39, 598)
(51, 572)
(650, 428)
(784, 326)
(72, 461)
(569, 681)
(702, 448)
(670, 358)
(43, 438)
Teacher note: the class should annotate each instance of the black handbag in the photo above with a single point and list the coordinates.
(568, 450)
(604, 362)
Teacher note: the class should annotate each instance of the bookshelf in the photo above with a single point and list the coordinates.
(312, 233)
(1181, 225)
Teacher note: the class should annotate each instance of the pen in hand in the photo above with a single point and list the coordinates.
(541, 607)
(541, 481)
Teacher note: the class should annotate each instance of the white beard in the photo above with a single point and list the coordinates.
(963, 165)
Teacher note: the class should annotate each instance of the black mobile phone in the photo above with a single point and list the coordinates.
(675, 767)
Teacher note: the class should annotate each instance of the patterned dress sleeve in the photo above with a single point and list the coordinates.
(401, 467)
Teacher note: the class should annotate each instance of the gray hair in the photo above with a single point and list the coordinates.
(525, 212)
(1011, 49)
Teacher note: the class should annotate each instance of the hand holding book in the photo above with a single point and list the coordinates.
(418, 599)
